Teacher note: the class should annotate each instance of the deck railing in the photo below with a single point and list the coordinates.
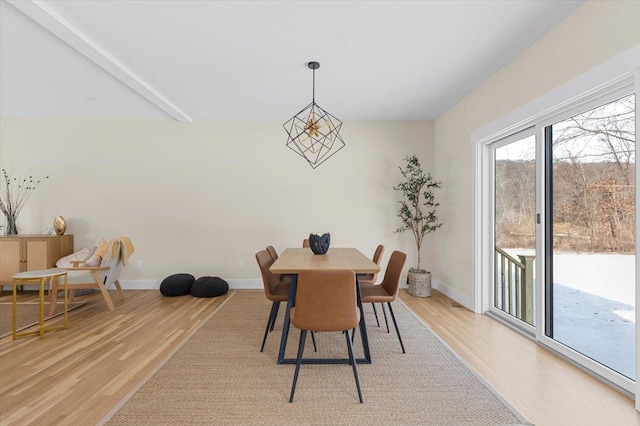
(513, 292)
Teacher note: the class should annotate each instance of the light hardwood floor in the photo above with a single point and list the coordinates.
(77, 376)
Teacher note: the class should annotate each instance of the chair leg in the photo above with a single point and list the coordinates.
(375, 311)
(313, 338)
(266, 331)
(303, 337)
(384, 311)
(352, 361)
(275, 316)
(103, 290)
(353, 334)
(393, 317)
(120, 292)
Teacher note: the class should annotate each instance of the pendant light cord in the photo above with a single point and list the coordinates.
(313, 97)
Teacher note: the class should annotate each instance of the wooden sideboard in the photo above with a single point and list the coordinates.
(21, 253)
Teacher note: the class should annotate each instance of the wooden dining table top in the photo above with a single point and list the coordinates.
(294, 260)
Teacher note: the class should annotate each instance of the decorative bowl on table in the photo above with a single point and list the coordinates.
(319, 243)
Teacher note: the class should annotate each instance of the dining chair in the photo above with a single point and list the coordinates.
(387, 290)
(275, 291)
(284, 279)
(272, 252)
(325, 301)
(370, 279)
(305, 243)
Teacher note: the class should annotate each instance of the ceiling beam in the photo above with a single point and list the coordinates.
(57, 25)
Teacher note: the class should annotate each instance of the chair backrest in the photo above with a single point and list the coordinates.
(326, 301)
(272, 252)
(305, 243)
(268, 279)
(115, 264)
(274, 256)
(377, 258)
(391, 281)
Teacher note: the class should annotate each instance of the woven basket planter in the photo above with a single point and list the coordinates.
(419, 282)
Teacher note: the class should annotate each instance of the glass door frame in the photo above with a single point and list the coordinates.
(637, 92)
(637, 388)
(514, 137)
(545, 239)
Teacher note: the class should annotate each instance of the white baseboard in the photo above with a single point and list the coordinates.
(246, 284)
(256, 283)
(140, 284)
(155, 284)
(453, 294)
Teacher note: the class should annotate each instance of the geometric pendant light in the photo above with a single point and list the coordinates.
(313, 133)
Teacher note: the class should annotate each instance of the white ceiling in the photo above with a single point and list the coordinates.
(197, 60)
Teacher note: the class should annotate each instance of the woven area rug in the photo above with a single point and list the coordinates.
(28, 314)
(220, 377)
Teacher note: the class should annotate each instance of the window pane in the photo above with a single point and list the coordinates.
(593, 261)
(515, 237)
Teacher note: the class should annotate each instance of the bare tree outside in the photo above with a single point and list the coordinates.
(594, 184)
(515, 195)
(594, 180)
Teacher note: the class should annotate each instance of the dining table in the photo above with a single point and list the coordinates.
(294, 260)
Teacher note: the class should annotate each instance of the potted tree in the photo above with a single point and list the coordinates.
(418, 215)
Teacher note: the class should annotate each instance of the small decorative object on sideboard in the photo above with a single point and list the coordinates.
(15, 192)
(60, 225)
(319, 243)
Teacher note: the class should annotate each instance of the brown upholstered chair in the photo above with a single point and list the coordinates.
(370, 279)
(272, 252)
(284, 279)
(305, 243)
(325, 301)
(387, 291)
(274, 290)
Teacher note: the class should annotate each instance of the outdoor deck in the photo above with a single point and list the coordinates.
(594, 304)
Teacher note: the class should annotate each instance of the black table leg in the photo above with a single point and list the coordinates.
(285, 327)
(363, 326)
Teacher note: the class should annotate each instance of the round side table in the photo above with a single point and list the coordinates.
(42, 277)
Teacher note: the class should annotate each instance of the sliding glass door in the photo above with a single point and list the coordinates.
(555, 223)
(590, 248)
(572, 181)
(514, 227)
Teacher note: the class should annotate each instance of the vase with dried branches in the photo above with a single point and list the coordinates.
(16, 191)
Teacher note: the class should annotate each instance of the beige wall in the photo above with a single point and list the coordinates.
(597, 31)
(197, 197)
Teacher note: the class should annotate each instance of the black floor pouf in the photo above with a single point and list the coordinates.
(177, 285)
(209, 287)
